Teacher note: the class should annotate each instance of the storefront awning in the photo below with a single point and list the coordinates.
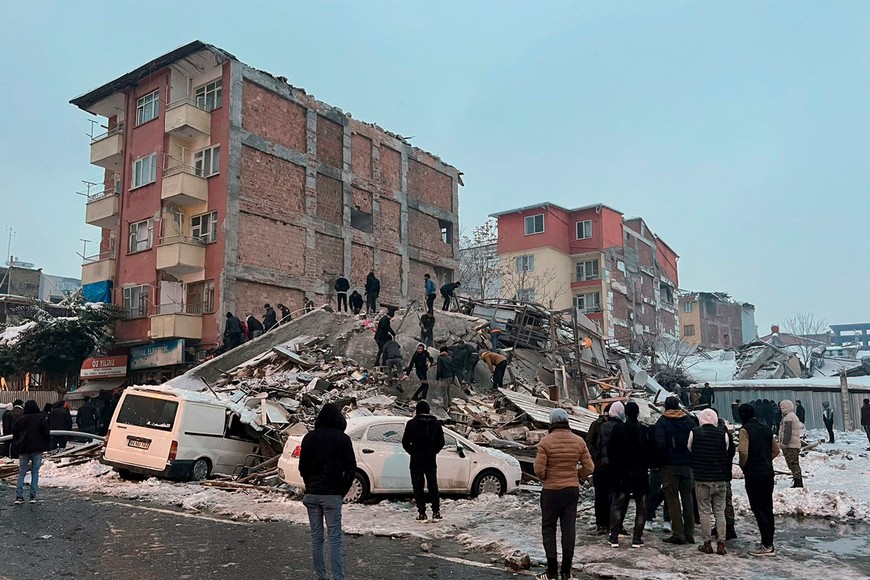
(93, 388)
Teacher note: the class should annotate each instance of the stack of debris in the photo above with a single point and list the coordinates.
(75, 455)
(759, 360)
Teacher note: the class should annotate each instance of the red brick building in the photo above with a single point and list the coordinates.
(227, 187)
(615, 270)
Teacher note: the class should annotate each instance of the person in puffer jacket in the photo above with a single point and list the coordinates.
(709, 445)
(672, 437)
(556, 465)
(790, 441)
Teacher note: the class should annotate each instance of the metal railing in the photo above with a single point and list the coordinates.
(181, 168)
(105, 193)
(578, 277)
(186, 101)
(111, 132)
(107, 255)
(182, 308)
(181, 239)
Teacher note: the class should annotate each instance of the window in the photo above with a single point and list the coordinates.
(361, 220)
(526, 263)
(446, 231)
(688, 330)
(584, 230)
(145, 170)
(688, 306)
(386, 433)
(147, 108)
(526, 295)
(208, 161)
(590, 302)
(200, 297)
(148, 412)
(141, 236)
(136, 301)
(210, 96)
(666, 293)
(587, 270)
(534, 224)
(204, 227)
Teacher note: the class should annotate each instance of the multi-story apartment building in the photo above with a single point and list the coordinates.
(615, 270)
(714, 320)
(227, 188)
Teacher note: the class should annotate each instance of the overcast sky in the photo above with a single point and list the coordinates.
(738, 130)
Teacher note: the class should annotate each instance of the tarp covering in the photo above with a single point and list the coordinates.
(98, 292)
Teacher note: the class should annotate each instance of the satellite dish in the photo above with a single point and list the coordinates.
(641, 378)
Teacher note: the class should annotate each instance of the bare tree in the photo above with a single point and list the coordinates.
(804, 325)
(521, 281)
(479, 264)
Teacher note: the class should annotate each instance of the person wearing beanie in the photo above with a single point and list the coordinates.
(709, 445)
(629, 450)
(790, 441)
(559, 454)
(672, 437)
(599, 481)
(757, 449)
(423, 439)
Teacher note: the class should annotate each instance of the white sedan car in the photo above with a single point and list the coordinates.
(464, 468)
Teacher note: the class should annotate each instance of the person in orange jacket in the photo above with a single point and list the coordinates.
(497, 364)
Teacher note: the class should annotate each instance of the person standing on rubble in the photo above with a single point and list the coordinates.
(356, 302)
(392, 356)
(757, 448)
(422, 440)
(327, 465)
(562, 463)
(447, 293)
(232, 332)
(255, 327)
(285, 312)
(270, 319)
(495, 336)
(445, 375)
(828, 419)
(865, 419)
(709, 445)
(427, 327)
(630, 448)
(471, 362)
(790, 442)
(420, 361)
(431, 290)
(672, 437)
(384, 333)
(460, 352)
(372, 289)
(342, 285)
(497, 364)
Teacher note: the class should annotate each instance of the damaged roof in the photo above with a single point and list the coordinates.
(548, 204)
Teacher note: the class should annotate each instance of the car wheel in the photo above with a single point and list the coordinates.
(200, 470)
(489, 481)
(128, 475)
(359, 489)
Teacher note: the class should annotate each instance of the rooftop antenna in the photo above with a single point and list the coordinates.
(8, 275)
(88, 186)
(85, 243)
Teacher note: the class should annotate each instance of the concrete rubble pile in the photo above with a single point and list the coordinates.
(759, 360)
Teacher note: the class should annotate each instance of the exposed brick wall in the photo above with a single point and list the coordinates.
(391, 166)
(251, 296)
(429, 185)
(645, 255)
(391, 277)
(271, 186)
(387, 226)
(361, 155)
(415, 279)
(330, 200)
(361, 263)
(329, 142)
(272, 117)
(330, 258)
(362, 200)
(423, 230)
(268, 243)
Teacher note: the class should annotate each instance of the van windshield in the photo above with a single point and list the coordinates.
(149, 412)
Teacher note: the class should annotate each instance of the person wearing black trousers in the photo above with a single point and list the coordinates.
(757, 449)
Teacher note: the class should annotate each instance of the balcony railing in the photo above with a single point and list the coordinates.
(187, 118)
(575, 277)
(196, 309)
(117, 130)
(108, 255)
(183, 186)
(174, 320)
(180, 239)
(107, 149)
(99, 267)
(103, 209)
(180, 255)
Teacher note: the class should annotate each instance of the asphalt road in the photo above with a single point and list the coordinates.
(74, 535)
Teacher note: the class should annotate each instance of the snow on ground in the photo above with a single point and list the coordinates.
(837, 487)
(721, 366)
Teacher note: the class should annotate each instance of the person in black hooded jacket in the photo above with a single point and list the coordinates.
(30, 438)
(328, 466)
(423, 439)
(631, 446)
(373, 290)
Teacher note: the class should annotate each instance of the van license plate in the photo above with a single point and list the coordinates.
(138, 442)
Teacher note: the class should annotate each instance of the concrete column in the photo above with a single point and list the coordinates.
(403, 231)
(347, 195)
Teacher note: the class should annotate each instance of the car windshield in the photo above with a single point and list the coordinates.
(149, 412)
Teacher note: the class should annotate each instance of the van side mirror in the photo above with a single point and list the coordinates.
(460, 451)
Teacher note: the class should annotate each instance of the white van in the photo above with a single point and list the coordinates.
(174, 435)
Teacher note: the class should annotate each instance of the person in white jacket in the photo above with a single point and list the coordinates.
(790, 441)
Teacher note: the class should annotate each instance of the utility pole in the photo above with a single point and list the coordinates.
(8, 277)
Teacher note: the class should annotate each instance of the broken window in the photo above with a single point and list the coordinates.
(200, 297)
(446, 231)
(526, 263)
(534, 224)
(688, 330)
(666, 293)
(587, 270)
(584, 230)
(136, 301)
(525, 295)
(361, 220)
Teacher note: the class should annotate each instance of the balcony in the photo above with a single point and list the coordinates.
(107, 150)
(99, 268)
(175, 321)
(183, 187)
(103, 210)
(180, 255)
(185, 119)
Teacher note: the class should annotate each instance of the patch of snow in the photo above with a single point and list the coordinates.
(12, 334)
(721, 366)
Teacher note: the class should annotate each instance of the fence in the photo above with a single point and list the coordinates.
(41, 397)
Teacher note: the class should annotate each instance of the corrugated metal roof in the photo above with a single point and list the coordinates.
(580, 420)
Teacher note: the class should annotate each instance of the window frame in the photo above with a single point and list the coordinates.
(151, 158)
(586, 277)
(686, 328)
(204, 290)
(210, 236)
(214, 88)
(149, 241)
(525, 295)
(141, 309)
(150, 102)
(533, 218)
(527, 261)
(585, 309)
(688, 307)
(213, 153)
(577, 229)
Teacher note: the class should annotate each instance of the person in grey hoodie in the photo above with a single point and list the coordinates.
(790, 441)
